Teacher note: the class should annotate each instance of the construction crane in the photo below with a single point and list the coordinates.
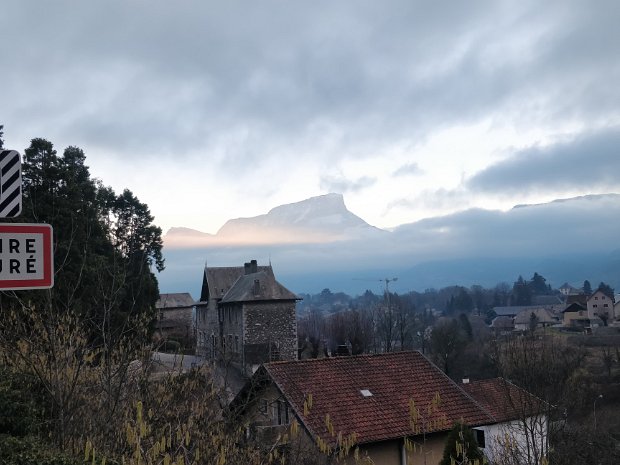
(387, 282)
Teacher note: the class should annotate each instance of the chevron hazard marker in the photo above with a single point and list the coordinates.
(10, 184)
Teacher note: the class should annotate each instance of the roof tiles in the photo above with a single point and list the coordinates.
(398, 381)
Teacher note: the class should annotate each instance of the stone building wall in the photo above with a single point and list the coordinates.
(232, 331)
(271, 322)
(176, 322)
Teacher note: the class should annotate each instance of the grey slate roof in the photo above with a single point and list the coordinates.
(177, 300)
(258, 286)
(546, 300)
(217, 281)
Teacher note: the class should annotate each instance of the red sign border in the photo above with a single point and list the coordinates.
(48, 257)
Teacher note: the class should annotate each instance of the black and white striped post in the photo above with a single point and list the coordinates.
(10, 184)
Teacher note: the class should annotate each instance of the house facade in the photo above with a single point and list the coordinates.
(396, 408)
(246, 317)
(575, 316)
(175, 318)
(601, 306)
(537, 317)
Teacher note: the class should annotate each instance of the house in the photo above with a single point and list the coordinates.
(600, 305)
(502, 325)
(567, 289)
(216, 281)
(581, 299)
(575, 316)
(397, 407)
(175, 318)
(248, 317)
(526, 317)
(518, 415)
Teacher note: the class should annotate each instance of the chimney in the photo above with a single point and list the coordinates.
(246, 268)
(466, 380)
(253, 266)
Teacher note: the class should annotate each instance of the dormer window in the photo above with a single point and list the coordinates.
(256, 287)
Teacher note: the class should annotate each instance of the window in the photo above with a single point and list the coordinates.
(596, 298)
(605, 305)
(237, 344)
(230, 341)
(479, 434)
(595, 305)
(263, 405)
(282, 413)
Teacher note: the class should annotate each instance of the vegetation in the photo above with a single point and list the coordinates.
(76, 381)
(461, 447)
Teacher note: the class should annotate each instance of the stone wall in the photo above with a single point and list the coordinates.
(273, 322)
(176, 322)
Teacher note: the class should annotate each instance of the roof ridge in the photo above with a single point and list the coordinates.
(459, 388)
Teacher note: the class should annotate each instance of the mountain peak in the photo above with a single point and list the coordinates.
(321, 218)
(325, 204)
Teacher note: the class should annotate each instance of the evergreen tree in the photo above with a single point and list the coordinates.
(461, 447)
(1, 135)
(606, 289)
(521, 292)
(538, 285)
(587, 287)
(104, 245)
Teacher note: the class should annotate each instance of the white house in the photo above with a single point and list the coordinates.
(600, 305)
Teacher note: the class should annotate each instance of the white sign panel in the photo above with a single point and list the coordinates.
(26, 257)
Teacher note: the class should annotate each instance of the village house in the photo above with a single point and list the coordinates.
(246, 317)
(535, 317)
(566, 289)
(396, 407)
(575, 315)
(600, 305)
(175, 318)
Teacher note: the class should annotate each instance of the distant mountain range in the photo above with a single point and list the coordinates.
(318, 243)
(318, 219)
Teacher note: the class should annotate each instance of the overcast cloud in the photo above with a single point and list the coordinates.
(248, 105)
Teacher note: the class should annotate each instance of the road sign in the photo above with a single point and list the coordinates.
(10, 184)
(26, 256)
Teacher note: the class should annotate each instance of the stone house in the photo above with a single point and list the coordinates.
(175, 318)
(246, 317)
(397, 407)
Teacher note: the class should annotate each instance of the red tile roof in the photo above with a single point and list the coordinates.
(502, 399)
(394, 379)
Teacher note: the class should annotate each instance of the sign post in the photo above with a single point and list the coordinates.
(26, 256)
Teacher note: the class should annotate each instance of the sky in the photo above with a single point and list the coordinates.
(209, 110)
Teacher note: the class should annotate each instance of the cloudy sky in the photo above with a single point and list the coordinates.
(411, 109)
